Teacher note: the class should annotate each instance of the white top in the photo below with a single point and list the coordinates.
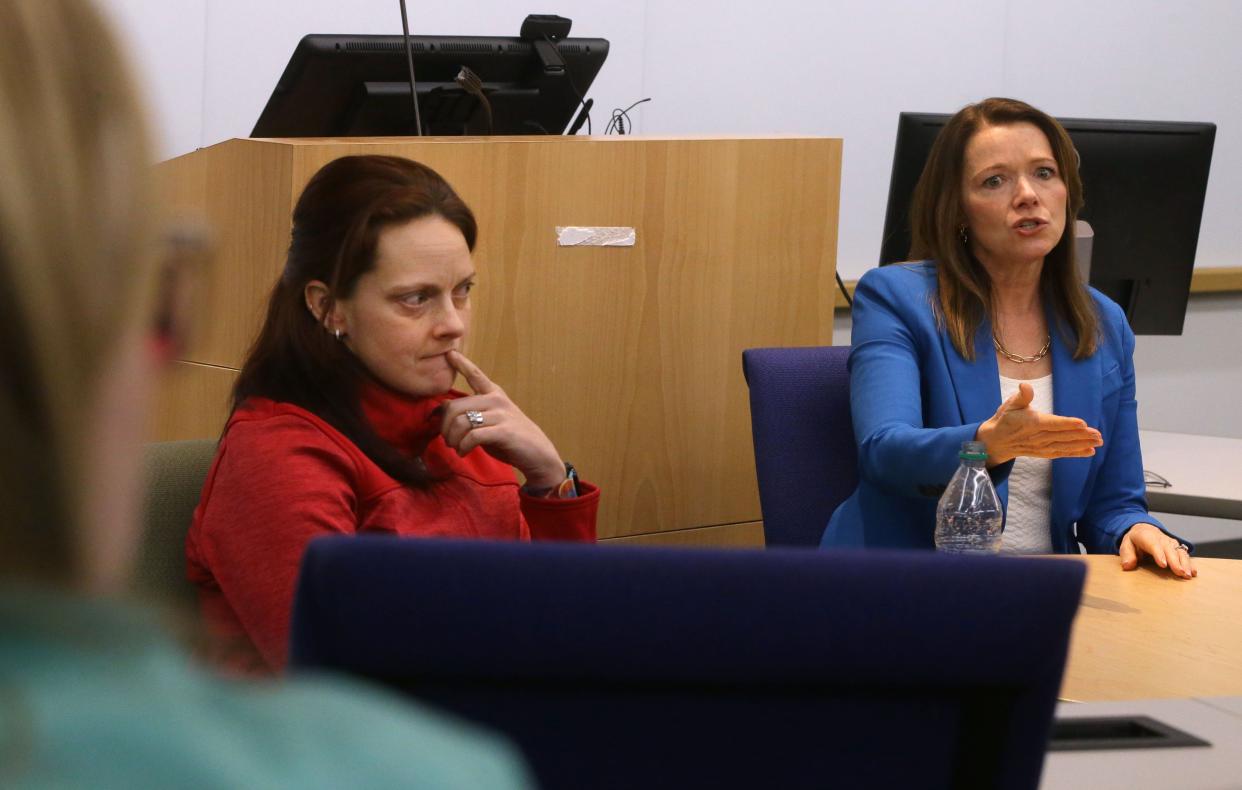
(1028, 518)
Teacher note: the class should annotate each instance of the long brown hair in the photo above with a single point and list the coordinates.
(336, 225)
(937, 214)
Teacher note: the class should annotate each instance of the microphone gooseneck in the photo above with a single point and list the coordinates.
(409, 59)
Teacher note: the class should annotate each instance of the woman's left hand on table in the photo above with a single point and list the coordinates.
(1146, 539)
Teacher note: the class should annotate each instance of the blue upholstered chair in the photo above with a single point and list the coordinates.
(806, 460)
(625, 667)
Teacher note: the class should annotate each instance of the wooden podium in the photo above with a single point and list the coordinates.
(628, 357)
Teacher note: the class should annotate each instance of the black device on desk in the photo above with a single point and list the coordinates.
(1144, 184)
(345, 86)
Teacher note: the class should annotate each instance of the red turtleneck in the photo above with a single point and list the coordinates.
(282, 476)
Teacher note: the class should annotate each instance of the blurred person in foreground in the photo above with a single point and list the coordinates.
(993, 337)
(92, 693)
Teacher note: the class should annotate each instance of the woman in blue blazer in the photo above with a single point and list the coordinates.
(982, 341)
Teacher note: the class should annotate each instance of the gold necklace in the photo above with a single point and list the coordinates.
(1007, 354)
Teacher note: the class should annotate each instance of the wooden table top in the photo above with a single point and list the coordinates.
(1146, 634)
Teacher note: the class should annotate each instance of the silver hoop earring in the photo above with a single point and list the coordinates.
(961, 234)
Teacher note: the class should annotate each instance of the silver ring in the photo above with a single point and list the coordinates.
(475, 418)
(1183, 547)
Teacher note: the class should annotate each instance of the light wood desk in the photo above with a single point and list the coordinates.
(1202, 470)
(1144, 634)
(628, 357)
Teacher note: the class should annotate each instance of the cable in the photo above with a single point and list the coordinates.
(473, 85)
(621, 117)
(574, 87)
(841, 284)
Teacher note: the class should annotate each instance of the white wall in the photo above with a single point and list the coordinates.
(1189, 383)
(842, 68)
(846, 68)
(167, 42)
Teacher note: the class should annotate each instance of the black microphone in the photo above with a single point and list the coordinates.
(582, 116)
(409, 59)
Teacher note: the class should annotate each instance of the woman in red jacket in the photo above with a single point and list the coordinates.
(344, 420)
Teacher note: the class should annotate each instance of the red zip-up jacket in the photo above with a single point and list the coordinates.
(282, 476)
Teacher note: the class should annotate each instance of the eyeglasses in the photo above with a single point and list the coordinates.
(1153, 480)
(186, 250)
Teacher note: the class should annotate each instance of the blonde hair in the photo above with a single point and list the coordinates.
(75, 262)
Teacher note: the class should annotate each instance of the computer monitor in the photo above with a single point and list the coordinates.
(350, 86)
(1144, 185)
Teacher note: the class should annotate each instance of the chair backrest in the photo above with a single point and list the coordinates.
(622, 667)
(173, 473)
(806, 459)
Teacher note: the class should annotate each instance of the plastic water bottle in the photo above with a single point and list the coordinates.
(969, 518)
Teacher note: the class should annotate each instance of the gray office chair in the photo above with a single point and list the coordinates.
(173, 476)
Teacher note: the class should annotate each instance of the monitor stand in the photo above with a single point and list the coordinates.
(1123, 292)
(1084, 235)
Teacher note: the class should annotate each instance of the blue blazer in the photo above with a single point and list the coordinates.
(915, 399)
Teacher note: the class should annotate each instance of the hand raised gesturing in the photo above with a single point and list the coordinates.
(1018, 430)
(489, 419)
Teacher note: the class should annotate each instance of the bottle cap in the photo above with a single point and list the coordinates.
(973, 451)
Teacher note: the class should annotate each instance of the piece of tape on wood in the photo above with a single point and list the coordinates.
(582, 236)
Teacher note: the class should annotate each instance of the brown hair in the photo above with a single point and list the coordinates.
(936, 214)
(336, 226)
(76, 264)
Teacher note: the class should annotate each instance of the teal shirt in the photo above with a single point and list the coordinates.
(93, 695)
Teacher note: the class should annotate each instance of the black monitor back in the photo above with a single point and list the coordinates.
(1144, 185)
(352, 86)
